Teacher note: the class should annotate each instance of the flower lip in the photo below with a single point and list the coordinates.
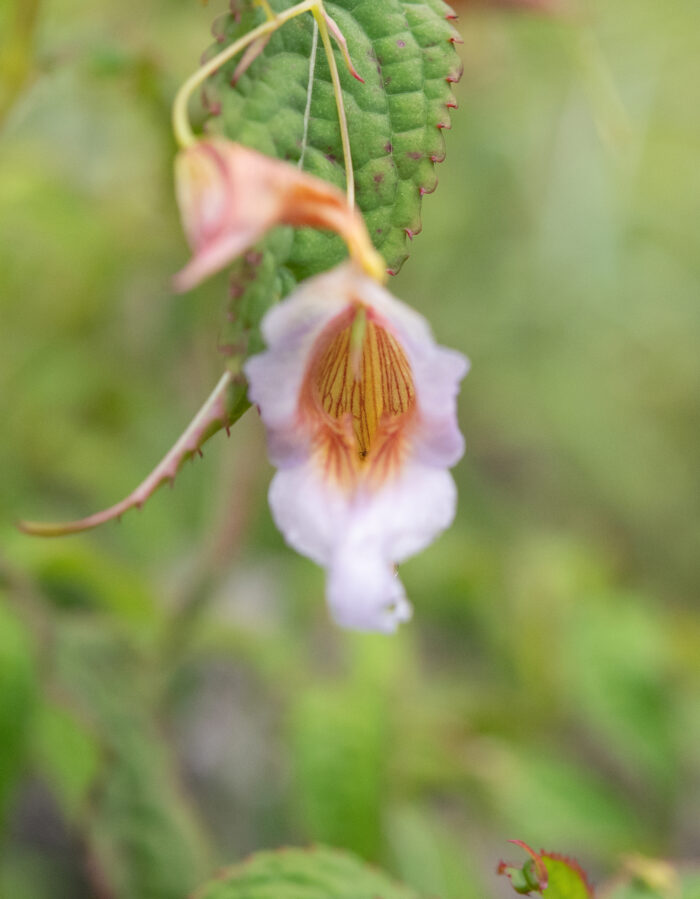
(332, 419)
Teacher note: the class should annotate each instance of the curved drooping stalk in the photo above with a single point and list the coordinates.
(211, 418)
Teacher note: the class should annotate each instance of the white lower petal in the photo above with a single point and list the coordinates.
(363, 591)
(408, 513)
(310, 514)
(359, 536)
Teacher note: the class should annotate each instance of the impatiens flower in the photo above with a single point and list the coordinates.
(359, 405)
(230, 196)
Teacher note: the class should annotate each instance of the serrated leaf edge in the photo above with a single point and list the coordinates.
(573, 864)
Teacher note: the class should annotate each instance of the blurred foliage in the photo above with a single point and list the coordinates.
(652, 879)
(317, 873)
(172, 695)
(17, 699)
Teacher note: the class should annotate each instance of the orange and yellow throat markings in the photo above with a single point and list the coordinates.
(359, 394)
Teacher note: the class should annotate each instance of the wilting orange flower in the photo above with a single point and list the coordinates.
(230, 196)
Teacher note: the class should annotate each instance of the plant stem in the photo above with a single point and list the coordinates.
(267, 9)
(212, 417)
(340, 106)
(181, 125)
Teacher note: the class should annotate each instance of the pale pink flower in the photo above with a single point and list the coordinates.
(230, 196)
(359, 403)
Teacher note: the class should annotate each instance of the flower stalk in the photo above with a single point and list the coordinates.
(215, 414)
(180, 118)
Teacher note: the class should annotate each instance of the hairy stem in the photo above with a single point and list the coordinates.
(322, 23)
(266, 8)
(181, 125)
(212, 417)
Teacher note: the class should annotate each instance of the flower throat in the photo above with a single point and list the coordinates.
(361, 385)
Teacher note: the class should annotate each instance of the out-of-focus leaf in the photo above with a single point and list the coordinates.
(318, 873)
(616, 670)
(17, 699)
(534, 787)
(30, 876)
(77, 576)
(547, 874)
(339, 744)
(428, 856)
(341, 740)
(67, 756)
(144, 836)
(567, 879)
(648, 878)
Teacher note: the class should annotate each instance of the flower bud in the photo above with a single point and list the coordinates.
(230, 196)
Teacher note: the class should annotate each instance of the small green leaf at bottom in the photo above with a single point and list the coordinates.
(547, 874)
(316, 873)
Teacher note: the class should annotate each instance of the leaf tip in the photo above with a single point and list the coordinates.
(573, 866)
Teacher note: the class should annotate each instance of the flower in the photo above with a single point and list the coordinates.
(359, 403)
(230, 196)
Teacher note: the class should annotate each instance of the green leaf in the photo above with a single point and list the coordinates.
(562, 797)
(318, 873)
(145, 838)
(76, 575)
(405, 53)
(338, 740)
(547, 874)
(430, 855)
(341, 732)
(566, 878)
(17, 696)
(67, 756)
(30, 875)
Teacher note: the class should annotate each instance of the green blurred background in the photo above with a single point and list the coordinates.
(172, 693)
